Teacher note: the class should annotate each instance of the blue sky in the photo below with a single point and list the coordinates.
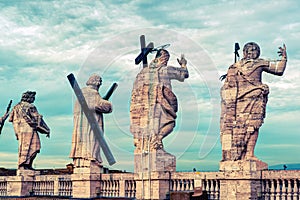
(41, 42)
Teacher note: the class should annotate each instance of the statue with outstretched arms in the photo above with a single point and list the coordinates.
(244, 99)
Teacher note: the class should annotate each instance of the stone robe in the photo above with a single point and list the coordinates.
(85, 146)
(243, 107)
(153, 104)
(24, 117)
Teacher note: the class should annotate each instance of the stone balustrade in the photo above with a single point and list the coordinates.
(117, 185)
(281, 184)
(3, 188)
(130, 188)
(276, 184)
(52, 185)
(187, 181)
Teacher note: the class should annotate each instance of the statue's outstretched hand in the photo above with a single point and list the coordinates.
(282, 51)
(182, 61)
(48, 135)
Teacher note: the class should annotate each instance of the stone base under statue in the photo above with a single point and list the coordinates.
(27, 172)
(86, 181)
(243, 165)
(242, 179)
(155, 161)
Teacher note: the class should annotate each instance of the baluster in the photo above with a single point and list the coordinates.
(213, 189)
(66, 188)
(112, 188)
(179, 185)
(175, 185)
(190, 185)
(284, 190)
(126, 188)
(289, 190)
(171, 185)
(277, 189)
(47, 187)
(272, 192)
(295, 190)
(217, 189)
(42, 188)
(117, 188)
(118, 191)
(208, 188)
(267, 190)
(61, 188)
(37, 188)
(129, 188)
(134, 186)
(193, 185)
(104, 188)
(108, 188)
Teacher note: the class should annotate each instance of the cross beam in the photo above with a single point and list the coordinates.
(145, 50)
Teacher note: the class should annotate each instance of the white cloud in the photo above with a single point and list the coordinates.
(40, 46)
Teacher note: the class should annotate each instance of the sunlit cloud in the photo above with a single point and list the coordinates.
(41, 46)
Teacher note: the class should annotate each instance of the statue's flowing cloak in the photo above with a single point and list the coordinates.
(24, 117)
(243, 106)
(84, 143)
(153, 104)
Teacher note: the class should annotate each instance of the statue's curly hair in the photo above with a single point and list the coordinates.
(251, 45)
(28, 95)
(94, 79)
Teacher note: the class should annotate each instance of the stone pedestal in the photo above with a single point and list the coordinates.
(153, 173)
(242, 179)
(86, 181)
(22, 184)
(155, 161)
(243, 165)
(154, 185)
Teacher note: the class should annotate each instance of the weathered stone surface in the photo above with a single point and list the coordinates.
(27, 122)
(85, 145)
(153, 112)
(155, 160)
(86, 181)
(244, 99)
(243, 165)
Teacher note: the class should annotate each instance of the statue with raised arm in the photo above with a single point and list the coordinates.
(244, 99)
(153, 104)
(27, 123)
(85, 145)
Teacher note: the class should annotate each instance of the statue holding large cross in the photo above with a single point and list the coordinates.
(88, 123)
(153, 104)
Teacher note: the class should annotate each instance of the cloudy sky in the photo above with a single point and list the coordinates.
(41, 42)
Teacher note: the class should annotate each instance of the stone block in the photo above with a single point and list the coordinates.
(155, 161)
(243, 165)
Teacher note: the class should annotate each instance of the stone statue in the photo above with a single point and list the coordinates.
(27, 122)
(85, 146)
(244, 99)
(153, 104)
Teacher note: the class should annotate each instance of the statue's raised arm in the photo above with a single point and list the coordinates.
(278, 67)
(244, 100)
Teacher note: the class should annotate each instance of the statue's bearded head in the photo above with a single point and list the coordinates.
(94, 81)
(251, 50)
(162, 57)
